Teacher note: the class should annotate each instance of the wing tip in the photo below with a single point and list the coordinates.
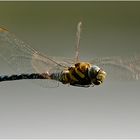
(3, 29)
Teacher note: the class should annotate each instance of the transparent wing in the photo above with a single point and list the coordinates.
(78, 33)
(24, 59)
(120, 68)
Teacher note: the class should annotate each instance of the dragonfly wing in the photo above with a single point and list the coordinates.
(24, 59)
(120, 68)
(27, 65)
(67, 62)
(42, 64)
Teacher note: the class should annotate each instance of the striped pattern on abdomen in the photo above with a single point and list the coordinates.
(23, 76)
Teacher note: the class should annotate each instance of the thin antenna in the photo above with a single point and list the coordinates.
(78, 40)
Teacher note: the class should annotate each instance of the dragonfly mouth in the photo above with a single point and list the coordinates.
(97, 82)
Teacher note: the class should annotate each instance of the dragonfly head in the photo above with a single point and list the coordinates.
(96, 75)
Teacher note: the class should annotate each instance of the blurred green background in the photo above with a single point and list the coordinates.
(109, 28)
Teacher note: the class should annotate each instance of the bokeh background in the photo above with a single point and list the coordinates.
(107, 111)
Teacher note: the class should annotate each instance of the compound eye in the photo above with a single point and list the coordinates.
(93, 71)
(95, 68)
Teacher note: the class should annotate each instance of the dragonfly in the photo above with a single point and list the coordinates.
(28, 63)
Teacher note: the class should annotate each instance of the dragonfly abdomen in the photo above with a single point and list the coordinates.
(56, 76)
(22, 76)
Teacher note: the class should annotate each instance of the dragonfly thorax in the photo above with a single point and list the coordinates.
(82, 73)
